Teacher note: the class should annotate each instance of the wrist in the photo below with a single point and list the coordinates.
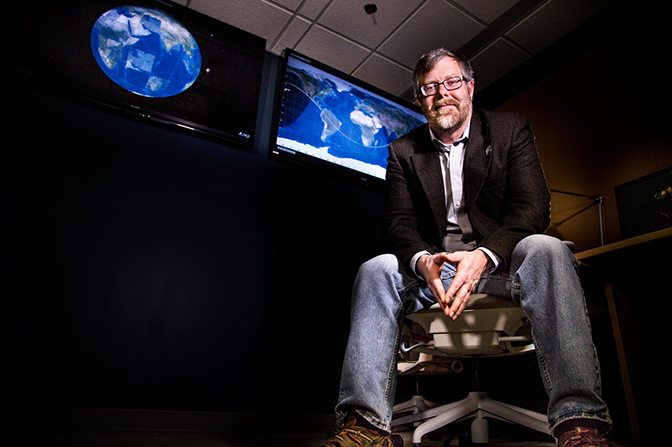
(415, 260)
(492, 259)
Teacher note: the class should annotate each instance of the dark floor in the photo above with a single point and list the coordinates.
(167, 439)
(499, 437)
(71, 427)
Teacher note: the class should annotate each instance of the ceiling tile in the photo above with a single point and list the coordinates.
(291, 35)
(436, 24)
(313, 8)
(258, 17)
(494, 62)
(289, 4)
(552, 21)
(385, 74)
(332, 49)
(486, 10)
(348, 17)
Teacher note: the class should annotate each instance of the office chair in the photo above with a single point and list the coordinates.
(489, 326)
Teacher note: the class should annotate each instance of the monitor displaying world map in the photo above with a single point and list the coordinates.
(329, 119)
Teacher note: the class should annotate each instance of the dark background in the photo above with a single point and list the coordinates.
(153, 268)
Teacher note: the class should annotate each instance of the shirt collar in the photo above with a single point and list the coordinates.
(443, 146)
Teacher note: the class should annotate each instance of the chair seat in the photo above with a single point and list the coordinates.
(489, 325)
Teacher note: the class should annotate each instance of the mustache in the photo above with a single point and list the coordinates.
(447, 101)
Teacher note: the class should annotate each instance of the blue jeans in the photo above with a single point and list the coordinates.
(542, 279)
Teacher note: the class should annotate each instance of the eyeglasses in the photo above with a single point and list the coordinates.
(450, 84)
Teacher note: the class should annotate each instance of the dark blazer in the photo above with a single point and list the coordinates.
(505, 190)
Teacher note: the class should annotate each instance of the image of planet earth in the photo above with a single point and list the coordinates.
(146, 51)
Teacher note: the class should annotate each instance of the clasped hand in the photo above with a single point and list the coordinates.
(469, 266)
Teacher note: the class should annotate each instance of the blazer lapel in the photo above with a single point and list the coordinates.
(477, 158)
(428, 170)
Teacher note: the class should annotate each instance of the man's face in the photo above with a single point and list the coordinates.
(447, 110)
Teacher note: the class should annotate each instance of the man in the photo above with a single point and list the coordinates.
(465, 207)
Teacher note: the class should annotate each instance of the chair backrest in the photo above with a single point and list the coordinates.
(490, 325)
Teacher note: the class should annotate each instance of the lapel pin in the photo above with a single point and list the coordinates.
(488, 151)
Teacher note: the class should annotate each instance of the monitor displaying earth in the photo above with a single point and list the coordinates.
(326, 117)
(146, 51)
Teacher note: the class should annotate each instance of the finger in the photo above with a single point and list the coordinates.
(437, 289)
(460, 302)
(455, 304)
(466, 278)
(436, 286)
(462, 297)
(459, 281)
(430, 269)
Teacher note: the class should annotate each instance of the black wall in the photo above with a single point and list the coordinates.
(151, 268)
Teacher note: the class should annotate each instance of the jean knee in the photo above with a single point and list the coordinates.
(381, 266)
(542, 246)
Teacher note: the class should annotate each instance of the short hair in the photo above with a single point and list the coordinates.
(429, 60)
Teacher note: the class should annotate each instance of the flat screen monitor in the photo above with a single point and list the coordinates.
(157, 60)
(645, 204)
(328, 120)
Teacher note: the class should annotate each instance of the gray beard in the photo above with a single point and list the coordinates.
(448, 123)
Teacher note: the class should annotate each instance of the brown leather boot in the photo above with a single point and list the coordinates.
(582, 437)
(352, 435)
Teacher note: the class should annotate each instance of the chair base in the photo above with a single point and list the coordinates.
(476, 405)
